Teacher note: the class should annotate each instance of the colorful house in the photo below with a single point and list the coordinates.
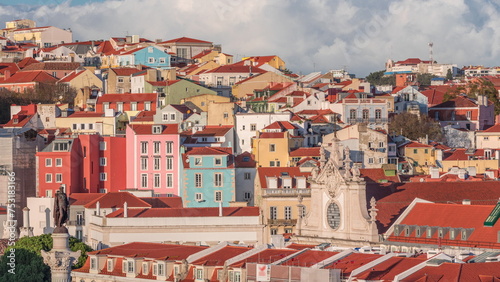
(208, 177)
(418, 157)
(153, 158)
(150, 56)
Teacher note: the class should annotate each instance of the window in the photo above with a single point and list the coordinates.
(429, 232)
(93, 263)
(417, 232)
(82, 126)
(242, 127)
(272, 147)
(198, 197)
(130, 266)
(378, 114)
(274, 231)
(352, 114)
(157, 163)
(102, 145)
(58, 177)
(157, 180)
(48, 178)
(165, 117)
(79, 218)
(172, 116)
(247, 196)
(151, 60)
(371, 160)
(288, 212)
(426, 151)
(198, 161)
(161, 269)
(199, 274)
(120, 79)
(145, 268)
(273, 213)
(48, 162)
(381, 144)
(133, 106)
(271, 163)
(144, 163)
(415, 151)
(48, 194)
(218, 161)
(486, 138)
(157, 129)
(468, 114)
(218, 196)
(144, 180)
(103, 176)
(156, 147)
(110, 265)
(464, 234)
(170, 163)
(74, 126)
(366, 114)
(169, 147)
(381, 160)
(59, 146)
(218, 179)
(302, 211)
(248, 175)
(102, 161)
(253, 127)
(147, 106)
(226, 115)
(162, 60)
(170, 180)
(144, 148)
(198, 180)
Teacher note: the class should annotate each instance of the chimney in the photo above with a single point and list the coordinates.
(98, 208)
(220, 208)
(434, 171)
(125, 209)
(465, 202)
(462, 174)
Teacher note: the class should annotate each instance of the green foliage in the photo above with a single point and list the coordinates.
(378, 78)
(76, 245)
(424, 79)
(413, 126)
(29, 267)
(449, 75)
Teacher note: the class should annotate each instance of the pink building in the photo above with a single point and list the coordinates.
(153, 158)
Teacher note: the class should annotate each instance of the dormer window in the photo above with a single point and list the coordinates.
(60, 146)
(157, 129)
(145, 268)
(464, 234)
(93, 263)
(110, 265)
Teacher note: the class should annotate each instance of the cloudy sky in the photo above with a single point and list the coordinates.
(315, 35)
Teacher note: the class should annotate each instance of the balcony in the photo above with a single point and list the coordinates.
(281, 192)
(79, 222)
(282, 222)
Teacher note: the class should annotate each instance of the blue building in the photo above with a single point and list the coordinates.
(208, 178)
(150, 56)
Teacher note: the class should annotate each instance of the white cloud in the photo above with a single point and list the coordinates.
(308, 35)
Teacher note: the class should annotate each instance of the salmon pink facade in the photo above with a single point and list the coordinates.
(153, 158)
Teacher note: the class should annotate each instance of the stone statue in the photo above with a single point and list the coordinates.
(60, 210)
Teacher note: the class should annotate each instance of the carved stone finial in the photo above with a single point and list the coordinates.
(373, 210)
(356, 173)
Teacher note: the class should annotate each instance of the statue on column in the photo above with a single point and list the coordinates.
(60, 210)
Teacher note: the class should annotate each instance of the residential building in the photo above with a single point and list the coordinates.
(27, 81)
(153, 158)
(150, 56)
(482, 160)
(177, 90)
(187, 48)
(43, 37)
(87, 86)
(55, 69)
(222, 113)
(272, 145)
(118, 80)
(488, 138)
(245, 172)
(104, 123)
(409, 99)
(418, 157)
(208, 177)
(222, 78)
(273, 60)
(372, 111)
(203, 100)
(208, 136)
(181, 115)
(245, 87)
(127, 102)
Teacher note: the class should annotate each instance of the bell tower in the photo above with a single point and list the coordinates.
(338, 212)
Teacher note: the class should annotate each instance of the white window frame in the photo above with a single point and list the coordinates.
(59, 178)
(169, 146)
(218, 179)
(218, 196)
(59, 162)
(170, 162)
(156, 180)
(198, 180)
(103, 161)
(48, 162)
(156, 163)
(103, 176)
(170, 180)
(102, 145)
(198, 197)
(144, 180)
(144, 147)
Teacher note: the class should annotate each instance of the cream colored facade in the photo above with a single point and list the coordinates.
(240, 90)
(275, 62)
(221, 113)
(24, 23)
(481, 165)
(43, 37)
(86, 79)
(104, 125)
(422, 157)
(202, 101)
(487, 140)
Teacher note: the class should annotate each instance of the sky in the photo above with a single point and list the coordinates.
(314, 35)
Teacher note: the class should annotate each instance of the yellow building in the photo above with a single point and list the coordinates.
(482, 159)
(42, 36)
(274, 61)
(488, 139)
(419, 157)
(221, 113)
(272, 149)
(90, 123)
(243, 88)
(84, 82)
(202, 100)
(283, 195)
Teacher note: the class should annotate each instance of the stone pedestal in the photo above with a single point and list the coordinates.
(60, 258)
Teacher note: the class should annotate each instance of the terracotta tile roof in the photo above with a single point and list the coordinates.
(272, 135)
(52, 66)
(315, 112)
(236, 69)
(279, 172)
(319, 119)
(210, 130)
(378, 175)
(163, 202)
(351, 262)
(411, 61)
(81, 199)
(126, 71)
(245, 160)
(147, 129)
(185, 212)
(11, 67)
(197, 151)
(386, 270)
(116, 200)
(26, 61)
(202, 54)
(495, 128)
(22, 120)
(458, 102)
(30, 76)
(127, 97)
(265, 257)
(474, 272)
(308, 258)
(158, 83)
(83, 114)
(391, 201)
(296, 246)
(184, 40)
(460, 154)
(453, 216)
(218, 258)
(283, 125)
(144, 116)
(414, 144)
(397, 89)
(306, 152)
(132, 51)
(152, 251)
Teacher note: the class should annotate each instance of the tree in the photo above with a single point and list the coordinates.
(413, 126)
(29, 267)
(449, 75)
(30, 248)
(424, 79)
(379, 78)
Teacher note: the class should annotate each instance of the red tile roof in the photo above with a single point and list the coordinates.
(265, 257)
(152, 251)
(205, 151)
(413, 144)
(218, 258)
(272, 135)
(306, 152)
(52, 66)
(461, 155)
(411, 61)
(202, 54)
(377, 175)
(473, 272)
(144, 116)
(185, 212)
(72, 75)
(127, 97)
(163, 202)
(210, 130)
(308, 258)
(81, 199)
(116, 200)
(495, 128)
(26, 61)
(295, 246)
(236, 69)
(30, 76)
(147, 129)
(245, 160)
(184, 40)
(386, 270)
(126, 71)
(458, 102)
(279, 172)
(351, 262)
(283, 125)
